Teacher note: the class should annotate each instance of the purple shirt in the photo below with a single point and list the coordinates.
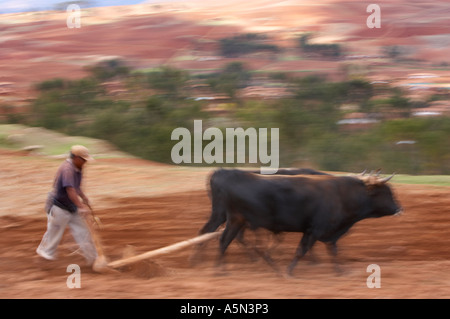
(68, 175)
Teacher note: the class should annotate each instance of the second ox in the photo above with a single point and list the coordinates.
(322, 207)
(219, 215)
(218, 212)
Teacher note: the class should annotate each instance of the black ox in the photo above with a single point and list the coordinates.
(322, 207)
(295, 171)
(219, 215)
(218, 212)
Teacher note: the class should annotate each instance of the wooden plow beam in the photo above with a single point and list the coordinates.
(164, 250)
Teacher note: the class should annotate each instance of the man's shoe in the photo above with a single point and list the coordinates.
(44, 255)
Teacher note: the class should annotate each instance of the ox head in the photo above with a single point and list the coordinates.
(373, 180)
(382, 197)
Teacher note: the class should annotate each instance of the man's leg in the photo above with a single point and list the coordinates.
(82, 236)
(57, 220)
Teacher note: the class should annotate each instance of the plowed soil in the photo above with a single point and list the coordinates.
(145, 206)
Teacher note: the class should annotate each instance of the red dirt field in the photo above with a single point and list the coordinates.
(149, 206)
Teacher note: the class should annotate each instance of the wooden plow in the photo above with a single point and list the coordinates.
(103, 266)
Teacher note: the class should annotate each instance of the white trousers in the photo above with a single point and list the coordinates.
(57, 221)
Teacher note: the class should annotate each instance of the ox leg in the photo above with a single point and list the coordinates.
(256, 248)
(332, 249)
(312, 258)
(240, 238)
(250, 249)
(276, 241)
(265, 252)
(213, 223)
(268, 259)
(306, 243)
(230, 232)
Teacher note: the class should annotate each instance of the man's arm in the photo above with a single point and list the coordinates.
(73, 196)
(84, 198)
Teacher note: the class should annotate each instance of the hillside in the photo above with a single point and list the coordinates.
(38, 45)
(40, 141)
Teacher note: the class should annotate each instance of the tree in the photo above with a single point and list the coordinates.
(326, 50)
(51, 84)
(244, 44)
(234, 76)
(392, 51)
(170, 81)
(109, 69)
(400, 102)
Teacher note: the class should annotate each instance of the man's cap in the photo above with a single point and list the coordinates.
(81, 151)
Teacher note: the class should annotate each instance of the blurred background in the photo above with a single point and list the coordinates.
(344, 96)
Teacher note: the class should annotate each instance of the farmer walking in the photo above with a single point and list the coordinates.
(66, 205)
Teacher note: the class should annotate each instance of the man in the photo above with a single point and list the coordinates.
(66, 206)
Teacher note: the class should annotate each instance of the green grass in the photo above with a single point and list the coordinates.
(436, 180)
(58, 144)
(16, 137)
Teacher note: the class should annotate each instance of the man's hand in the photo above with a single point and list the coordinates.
(84, 210)
(88, 213)
(85, 200)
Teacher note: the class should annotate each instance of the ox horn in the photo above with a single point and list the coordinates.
(387, 179)
(376, 173)
(364, 172)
